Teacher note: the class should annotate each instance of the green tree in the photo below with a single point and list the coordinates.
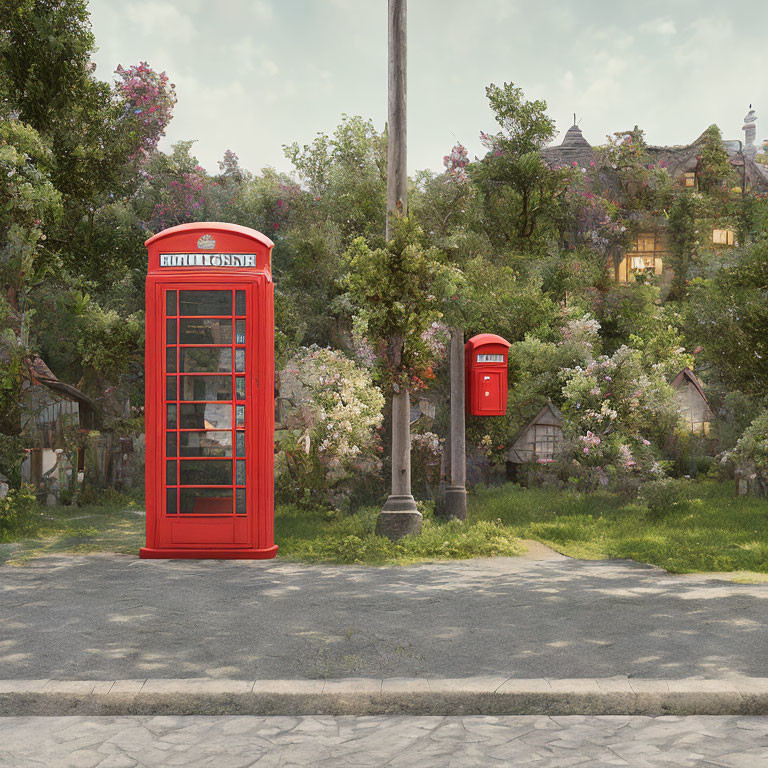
(520, 191)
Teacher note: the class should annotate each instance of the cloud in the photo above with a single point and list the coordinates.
(164, 19)
(663, 26)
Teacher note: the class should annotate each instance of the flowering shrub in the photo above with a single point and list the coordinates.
(614, 407)
(331, 441)
(456, 165)
(749, 457)
(149, 97)
(15, 509)
(426, 453)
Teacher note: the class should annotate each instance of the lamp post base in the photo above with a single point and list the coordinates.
(399, 517)
(455, 502)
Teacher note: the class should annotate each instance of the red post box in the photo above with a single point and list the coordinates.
(485, 360)
(209, 393)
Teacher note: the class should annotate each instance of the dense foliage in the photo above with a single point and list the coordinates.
(512, 243)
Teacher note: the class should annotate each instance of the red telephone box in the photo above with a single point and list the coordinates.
(485, 360)
(210, 393)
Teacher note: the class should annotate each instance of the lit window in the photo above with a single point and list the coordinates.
(689, 179)
(723, 237)
(646, 243)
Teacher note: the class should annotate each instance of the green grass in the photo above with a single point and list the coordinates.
(114, 526)
(713, 531)
(315, 537)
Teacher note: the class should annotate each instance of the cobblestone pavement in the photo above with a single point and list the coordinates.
(110, 617)
(396, 742)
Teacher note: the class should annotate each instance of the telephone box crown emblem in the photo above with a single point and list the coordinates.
(206, 243)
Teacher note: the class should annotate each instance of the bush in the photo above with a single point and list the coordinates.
(15, 510)
(664, 496)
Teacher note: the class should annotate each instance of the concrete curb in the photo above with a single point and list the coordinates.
(496, 695)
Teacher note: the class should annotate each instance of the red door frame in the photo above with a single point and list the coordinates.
(213, 535)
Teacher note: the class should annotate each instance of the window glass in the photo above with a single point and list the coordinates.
(170, 359)
(205, 472)
(205, 359)
(206, 388)
(240, 509)
(196, 330)
(206, 443)
(170, 421)
(240, 415)
(240, 383)
(239, 302)
(240, 475)
(205, 302)
(240, 332)
(170, 501)
(205, 501)
(170, 473)
(170, 303)
(170, 387)
(170, 443)
(170, 331)
(204, 416)
(240, 360)
(240, 443)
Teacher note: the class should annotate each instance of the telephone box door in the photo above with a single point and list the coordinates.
(207, 385)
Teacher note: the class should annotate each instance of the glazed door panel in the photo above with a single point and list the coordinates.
(206, 414)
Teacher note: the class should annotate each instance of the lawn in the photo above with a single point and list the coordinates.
(714, 530)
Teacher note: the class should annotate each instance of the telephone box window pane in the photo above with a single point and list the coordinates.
(205, 501)
(170, 331)
(205, 331)
(170, 303)
(214, 444)
(239, 302)
(170, 421)
(240, 409)
(240, 443)
(170, 443)
(240, 360)
(170, 473)
(206, 388)
(170, 359)
(170, 501)
(240, 332)
(207, 472)
(240, 472)
(206, 359)
(240, 496)
(240, 384)
(170, 388)
(205, 303)
(205, 416)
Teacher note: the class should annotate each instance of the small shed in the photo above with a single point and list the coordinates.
(692, 403)
(51, 409)
(540, 439)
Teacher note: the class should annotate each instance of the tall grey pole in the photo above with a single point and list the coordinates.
(397, 173)
(399, 515)
(456, 492)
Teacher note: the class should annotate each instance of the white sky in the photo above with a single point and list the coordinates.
(252, 75)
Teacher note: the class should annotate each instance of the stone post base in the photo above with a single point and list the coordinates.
(399, 518)
(455, 502)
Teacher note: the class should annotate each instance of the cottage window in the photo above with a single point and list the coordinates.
(646, 243)
(723, 237)
(689, 179)
(545, 437)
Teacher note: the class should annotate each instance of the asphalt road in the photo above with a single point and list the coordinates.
(105, 617)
